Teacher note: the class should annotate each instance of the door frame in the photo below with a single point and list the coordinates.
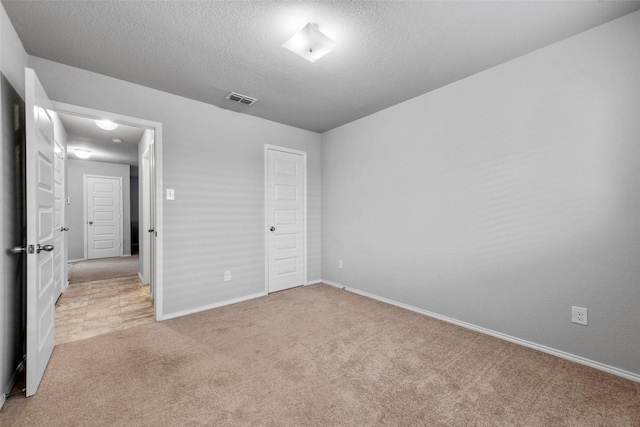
(63, 212)
(156, 198)
(146, 221)
(268, 147)
(85, 194)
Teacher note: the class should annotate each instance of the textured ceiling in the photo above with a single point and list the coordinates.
(386, 53)
(83, 133)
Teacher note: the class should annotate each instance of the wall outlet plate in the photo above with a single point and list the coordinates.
(339, 263)
(227, 275)
(579, 315)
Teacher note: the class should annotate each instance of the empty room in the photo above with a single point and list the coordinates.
(350, 212)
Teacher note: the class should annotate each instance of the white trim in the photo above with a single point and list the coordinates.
(268, 147)
(12, 382)
(76, 260)
(211, 306)
(145, 166)
(543, 348)
(141, 278)
(125, 255)
(85, 195)
(158, 225)
(157, 147)
(266, 220)
(63, 210)
(313, 282)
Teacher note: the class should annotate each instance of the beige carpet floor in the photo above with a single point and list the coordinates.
(316, 356)
(103, 268)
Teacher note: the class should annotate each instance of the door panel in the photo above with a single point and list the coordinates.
(41, 291)
(104, 219)
(285, 213)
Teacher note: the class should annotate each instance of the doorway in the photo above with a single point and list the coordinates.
(107, 290)
(149, 144)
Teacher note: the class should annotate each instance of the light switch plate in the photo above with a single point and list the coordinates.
(171, 194)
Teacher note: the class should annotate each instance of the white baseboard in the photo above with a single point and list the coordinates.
(313, 282)
(554, 352)
(210, 306)
(76, 260)
(12, 382)
(141, 278)
(125, 255)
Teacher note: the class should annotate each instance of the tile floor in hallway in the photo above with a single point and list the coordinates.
(94, 308)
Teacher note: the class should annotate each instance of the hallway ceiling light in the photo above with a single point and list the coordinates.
(82, 154)
(117, 140)
(106, 124)
(310, 43)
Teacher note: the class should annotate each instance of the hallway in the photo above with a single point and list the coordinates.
(96, 307)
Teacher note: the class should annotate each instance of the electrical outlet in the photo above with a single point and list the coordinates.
(227, 275)
(579, 315)
(339, 263)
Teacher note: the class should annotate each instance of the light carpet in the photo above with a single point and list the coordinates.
(317, 356)
(103, 268)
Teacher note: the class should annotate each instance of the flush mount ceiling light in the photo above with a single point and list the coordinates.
(117, 140)
(82, 154)
(106, 124)
(310, 43)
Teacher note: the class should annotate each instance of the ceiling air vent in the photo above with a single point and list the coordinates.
(241, 99)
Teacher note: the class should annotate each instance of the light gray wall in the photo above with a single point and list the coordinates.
(213, 158)
(76, 169)
(13, 59)
(504, 198)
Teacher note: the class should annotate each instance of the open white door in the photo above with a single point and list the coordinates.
(41, 291)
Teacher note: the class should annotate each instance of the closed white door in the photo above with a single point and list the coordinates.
(104, 216)
(285, 219)
(41, 292)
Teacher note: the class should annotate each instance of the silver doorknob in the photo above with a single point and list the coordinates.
(46, 248)
(151, 230)
(272, 228)
(17, 250)
(90, 222)
(64, 228)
